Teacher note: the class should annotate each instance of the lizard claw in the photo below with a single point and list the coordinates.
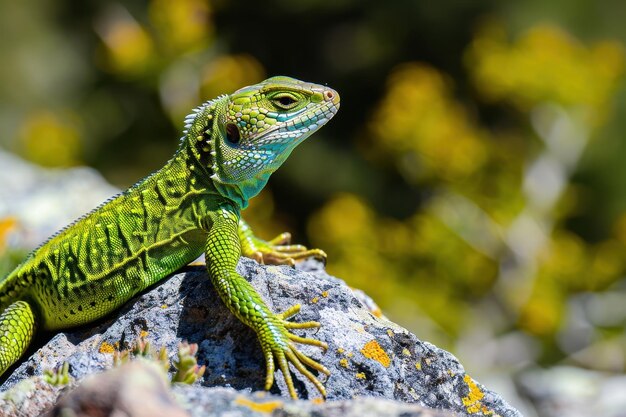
(278, 251)
(282, 239)
(283, 352)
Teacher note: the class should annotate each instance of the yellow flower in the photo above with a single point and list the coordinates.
(420, 119)
(51, 139)
(128, 48)
(544, 64)
(183, 25)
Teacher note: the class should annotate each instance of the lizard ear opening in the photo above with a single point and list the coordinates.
(232, 133)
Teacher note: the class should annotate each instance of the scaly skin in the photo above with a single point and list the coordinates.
(192, 205)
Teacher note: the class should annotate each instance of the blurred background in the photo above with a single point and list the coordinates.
(473, 182)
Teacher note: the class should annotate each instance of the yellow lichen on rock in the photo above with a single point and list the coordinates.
(472, 401)
(106, 347)
(372, 350)
(266, 407)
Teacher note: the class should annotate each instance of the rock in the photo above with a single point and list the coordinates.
(229, 402)
(567, 391)
(29, 397)
(368, 355)
(137, 389)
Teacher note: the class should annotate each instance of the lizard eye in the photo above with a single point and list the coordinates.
(284, 101)
(232, 133)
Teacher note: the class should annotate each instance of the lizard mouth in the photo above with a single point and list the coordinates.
(299, 128)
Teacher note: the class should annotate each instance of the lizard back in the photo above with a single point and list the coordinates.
(100, 261)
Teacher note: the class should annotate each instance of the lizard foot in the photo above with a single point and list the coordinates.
(279, 348)
(279, 251)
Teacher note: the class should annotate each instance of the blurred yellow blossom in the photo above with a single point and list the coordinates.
(577, 266)
(7, 224)
(345, 227)
(434, 137)
(127, 45)
(470, 274)
(420, 118)
(228, 73)
(402, 261)
(568, 265)
(544, 64)
(182, 25)
(543, 313)
(51, 139)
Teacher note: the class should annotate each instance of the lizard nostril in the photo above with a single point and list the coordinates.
(329, 95)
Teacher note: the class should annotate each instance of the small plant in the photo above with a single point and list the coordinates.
(58, 376)
(187, 369)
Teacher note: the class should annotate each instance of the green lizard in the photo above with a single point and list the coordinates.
(231, 146)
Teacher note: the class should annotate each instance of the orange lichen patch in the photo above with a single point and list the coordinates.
(406, 352)
(266, 407)
(106, 347)
(143, 333)
(390, 333)
(372, 350)
(418, 366)
(343, 362)
(318, 400)
(164, 306)
(472, 401)
(349, 354)
(324, 294)
(487, 411)
(360, 375)
(377, 312)
(6, 225)
(340, 350)
(315, 300)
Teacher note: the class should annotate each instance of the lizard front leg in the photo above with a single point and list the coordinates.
(277, 251)
(223, 249)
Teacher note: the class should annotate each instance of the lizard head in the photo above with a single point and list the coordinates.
(247, 135)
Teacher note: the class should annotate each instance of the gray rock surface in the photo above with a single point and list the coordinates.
(368, 356)
(201, 402)
(137, 389)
